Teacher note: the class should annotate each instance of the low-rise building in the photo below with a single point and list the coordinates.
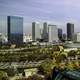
(30, 72)
(27, 38)
(3, 38)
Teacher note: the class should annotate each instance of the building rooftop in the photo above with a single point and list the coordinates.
(72, 74)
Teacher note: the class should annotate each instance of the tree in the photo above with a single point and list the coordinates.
(70, 65)
(46, 67)
(10, 71)
(56, 48)
(35, 77)
(3, 75)
(63, 57)
(72, 53)
(23, 74)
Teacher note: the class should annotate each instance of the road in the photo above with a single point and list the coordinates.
(17, 49)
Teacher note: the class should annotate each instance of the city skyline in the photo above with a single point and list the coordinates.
(56, 11)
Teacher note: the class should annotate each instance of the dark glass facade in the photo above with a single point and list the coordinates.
(70, 31)
(60, 33)
(15, 29)
(45, 32)
(33, 31)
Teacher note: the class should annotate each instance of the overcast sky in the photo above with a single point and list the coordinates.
(60, 11)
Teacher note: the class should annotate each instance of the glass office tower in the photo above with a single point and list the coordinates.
(15, 29)
(70, 31)
(60, 33)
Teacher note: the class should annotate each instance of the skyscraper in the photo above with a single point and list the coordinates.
(50, 32)
(36, 33)
(45, 31)
(53, 33)
(15, 29)
(70, 31)
(60, 33)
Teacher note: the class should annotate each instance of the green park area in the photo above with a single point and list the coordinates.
(50, 57)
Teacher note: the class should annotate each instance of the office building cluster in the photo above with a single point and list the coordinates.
(51, 33)
(47, 32)
(11, 31)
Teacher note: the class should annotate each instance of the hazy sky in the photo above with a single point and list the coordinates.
(59, 11)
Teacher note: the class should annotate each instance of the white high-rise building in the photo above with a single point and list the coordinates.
(36, 33)
(77, 37)
(52, 33)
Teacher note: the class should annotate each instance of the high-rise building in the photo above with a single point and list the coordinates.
(60, 33)
(77, 37)
(53, 33)
(12, 28)
(50, 32)
(70, 31)
(36, 33)
(15, 29)
(45, 31)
